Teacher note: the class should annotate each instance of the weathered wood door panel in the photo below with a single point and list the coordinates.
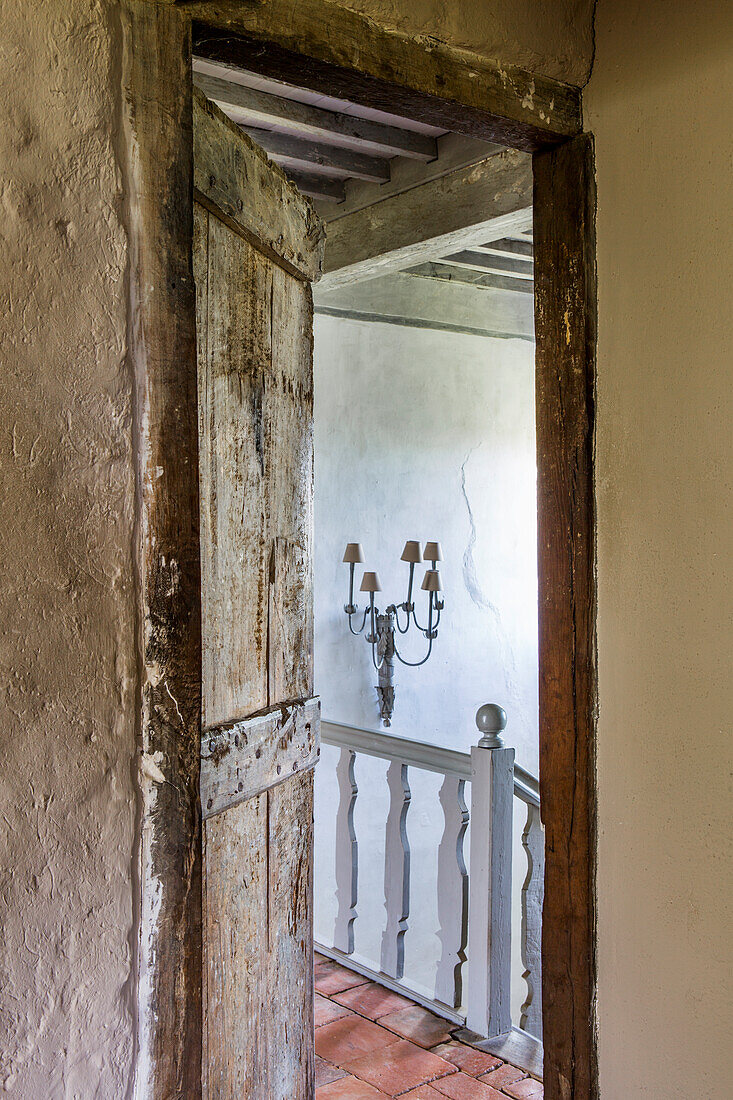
(257, 245)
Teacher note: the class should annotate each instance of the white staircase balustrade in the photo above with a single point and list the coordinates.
(473, 975)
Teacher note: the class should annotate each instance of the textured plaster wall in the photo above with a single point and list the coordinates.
(550, 37)
(660, 103)
(423, 434)
(67, 597)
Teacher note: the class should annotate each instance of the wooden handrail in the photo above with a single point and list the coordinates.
(475, 922)
(420, 754)
(417, 754)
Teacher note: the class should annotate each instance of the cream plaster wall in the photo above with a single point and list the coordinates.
(660, 103)
(67, 596)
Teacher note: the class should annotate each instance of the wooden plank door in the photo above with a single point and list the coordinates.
(257, 246)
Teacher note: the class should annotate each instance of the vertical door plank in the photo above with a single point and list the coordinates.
(289, 449)
(236, 933)
(233, 370)
(289, 1012)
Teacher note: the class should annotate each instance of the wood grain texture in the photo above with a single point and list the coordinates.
(289, 464)
(234, 289)
(255, 412)
(290, 151)
(233, 176)
(236, 927)
(255, 108)
(565, 323)
(158, 188)
(290, 983)
(259, 946)
(242, 759)
(467, 206)
(333, 50)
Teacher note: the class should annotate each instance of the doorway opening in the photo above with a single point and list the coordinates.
(425, 431)
(430, 84)
(424, 426)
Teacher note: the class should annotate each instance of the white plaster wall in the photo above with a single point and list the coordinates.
(660, 104)
(423, 434)
(67, 598)
(427, 434)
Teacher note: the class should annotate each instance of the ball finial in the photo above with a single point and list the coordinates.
(491, 721)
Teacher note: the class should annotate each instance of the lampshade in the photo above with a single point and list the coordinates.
(370, 583)
(433, 552)
(431, 581)
(411, 552)
(353, 552)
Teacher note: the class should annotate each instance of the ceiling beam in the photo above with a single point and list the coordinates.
(509, 244)
(482, 261)
(291, 152)
(332, 49)
(252, 107)
(317, 187)
(484, 201)
(432, 270)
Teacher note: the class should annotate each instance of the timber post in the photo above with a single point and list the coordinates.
(490, 893)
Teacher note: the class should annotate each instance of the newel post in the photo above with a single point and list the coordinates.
(488, 1000)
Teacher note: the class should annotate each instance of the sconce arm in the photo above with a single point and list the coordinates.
(356, 633)
(416, 664)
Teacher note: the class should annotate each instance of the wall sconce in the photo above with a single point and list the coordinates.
(383, 625)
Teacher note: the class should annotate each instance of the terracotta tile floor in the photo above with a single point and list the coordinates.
(371, 1043)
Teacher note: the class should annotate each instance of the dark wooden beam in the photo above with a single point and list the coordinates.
(328, 48)
(162, 351)
(293, 152)
(317, 187)
(252, 107)
(565, 327)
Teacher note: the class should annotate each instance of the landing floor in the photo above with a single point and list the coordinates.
(372, 1043)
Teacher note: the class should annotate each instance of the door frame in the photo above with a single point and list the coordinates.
(342, 53)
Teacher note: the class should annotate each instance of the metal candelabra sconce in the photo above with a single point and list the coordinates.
(383, 625)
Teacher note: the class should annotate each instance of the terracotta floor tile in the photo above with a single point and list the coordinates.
(326, 1072)
(503, 1076)
(349, 1088)
(472, 1062)
(399, 1067)
(329, 978)
(422, 1092)
(459, 1086)
(417, 1024)
(529, 1089)
(372, 1000)
(344, 1040)
(326, 1011)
